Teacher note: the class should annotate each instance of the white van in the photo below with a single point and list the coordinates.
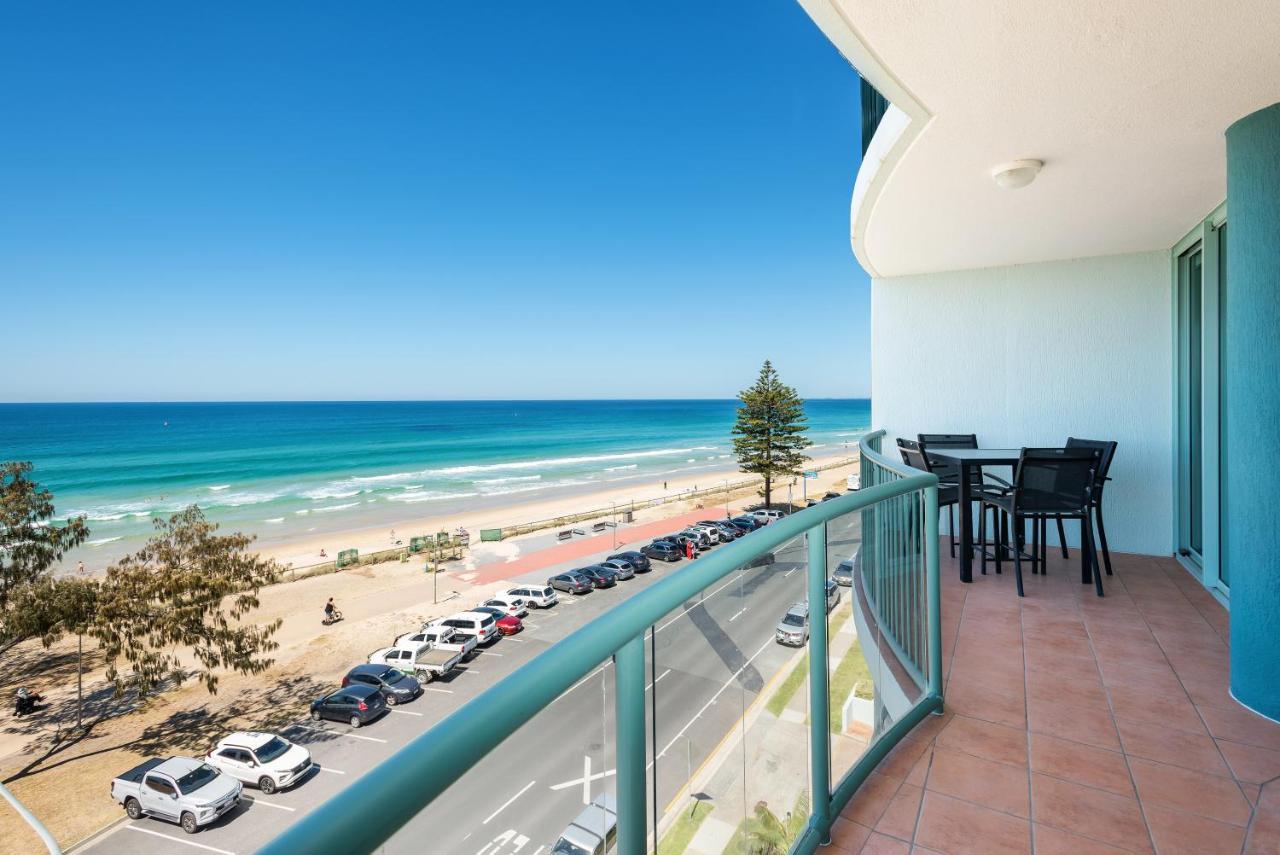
(536, 596)
(480, 626)
(594, 832)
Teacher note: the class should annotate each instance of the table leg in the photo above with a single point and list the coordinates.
(965, 513)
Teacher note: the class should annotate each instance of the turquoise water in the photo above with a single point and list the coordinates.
(281, 470)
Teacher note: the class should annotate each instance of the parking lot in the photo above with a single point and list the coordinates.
(714, 655)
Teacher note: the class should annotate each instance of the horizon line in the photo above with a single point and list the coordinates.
(390, 401)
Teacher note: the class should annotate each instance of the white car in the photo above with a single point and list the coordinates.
(536, 596)
(481, 626)
(264, 760)
(514, 606)
(712, 532)
(767, 516)
(440, 638)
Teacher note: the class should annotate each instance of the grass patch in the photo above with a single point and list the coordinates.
(787, 690)
(678, 837)
(851, 675)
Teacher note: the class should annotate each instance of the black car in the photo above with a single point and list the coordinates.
(829, 496)
(601, 577)
(638, 560)
(357, 704)
(397, 686)
(750, 523)
(571, 583)
(663, 550)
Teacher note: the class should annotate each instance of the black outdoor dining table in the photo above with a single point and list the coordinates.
(965, 459)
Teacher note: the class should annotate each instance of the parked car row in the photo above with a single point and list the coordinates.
(708, 533)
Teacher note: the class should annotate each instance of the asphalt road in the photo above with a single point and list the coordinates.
(713, 655)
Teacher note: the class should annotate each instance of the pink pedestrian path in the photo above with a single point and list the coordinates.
(581, 547)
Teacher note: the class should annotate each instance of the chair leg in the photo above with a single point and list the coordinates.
(1102, 535)
(982, 536)
(1062, 539)
(1035, 545)
(1086, 531)
(1017, 570)
(951, 526)
(997, 538)
(1044, 546)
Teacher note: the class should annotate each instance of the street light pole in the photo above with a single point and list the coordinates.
(613, 514)
(726, 498)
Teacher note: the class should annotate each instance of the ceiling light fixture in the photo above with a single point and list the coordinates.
(1016, 173)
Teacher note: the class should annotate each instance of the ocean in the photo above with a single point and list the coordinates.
(282, 470)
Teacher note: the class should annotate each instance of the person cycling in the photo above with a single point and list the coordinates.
(330, 610)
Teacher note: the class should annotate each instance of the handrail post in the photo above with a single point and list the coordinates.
(629, 699)
(932, 592)
(819, 705)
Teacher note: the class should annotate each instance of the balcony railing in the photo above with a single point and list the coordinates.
(887, 530)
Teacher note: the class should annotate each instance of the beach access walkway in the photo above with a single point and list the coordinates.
(629, 537)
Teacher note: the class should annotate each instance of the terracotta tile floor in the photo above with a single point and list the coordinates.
(1078, 725)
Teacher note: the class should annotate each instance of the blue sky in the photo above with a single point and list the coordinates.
(241, 201)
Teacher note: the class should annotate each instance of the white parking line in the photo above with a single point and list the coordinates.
(788, 573)
(330, 771)
(339, 733)
(179, 840)
(529, 626)
(407, 712)
(516, 640)
(548, 614)
(441, 691)
(469, 670)
(257, 801)
(489, 653)
(738, 615)
(508, 802)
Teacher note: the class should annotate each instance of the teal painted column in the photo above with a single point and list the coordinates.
(819, 705)
(631, 769)
(1251, 404)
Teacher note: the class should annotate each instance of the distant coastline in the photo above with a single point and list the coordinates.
(294, 472)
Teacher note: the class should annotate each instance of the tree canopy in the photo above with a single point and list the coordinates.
(768, 437)
(30, 544)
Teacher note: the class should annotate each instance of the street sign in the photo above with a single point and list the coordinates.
(811, 474)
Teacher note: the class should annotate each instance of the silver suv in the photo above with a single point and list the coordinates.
(793, 629)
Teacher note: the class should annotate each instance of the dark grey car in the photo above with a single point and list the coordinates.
(622, 569)
(357, 705)
(638, 560)
(397, 686)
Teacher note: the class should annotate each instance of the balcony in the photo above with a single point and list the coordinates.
(1071, 723)
(1078, 724)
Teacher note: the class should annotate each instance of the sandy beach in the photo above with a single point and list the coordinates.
(305, 551)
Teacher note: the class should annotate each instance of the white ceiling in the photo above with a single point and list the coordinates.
(1126, 102)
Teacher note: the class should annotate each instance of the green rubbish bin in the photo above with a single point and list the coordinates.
(347, 557)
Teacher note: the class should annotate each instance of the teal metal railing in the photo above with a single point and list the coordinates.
(362, 817)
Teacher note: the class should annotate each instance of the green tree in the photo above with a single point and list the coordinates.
(765, 833)
(188, 588)
(769, 435)
(51, 607)
(29, 543)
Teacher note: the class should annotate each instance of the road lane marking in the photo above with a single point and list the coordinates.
(508, 802)
(180, 840)
(257, 801)
(655, 682)
(585, 780)
(468, 670)
(489, 653)
(330, 771)
(441, 691)
(586, 678)
(338, 733)
(407, 712)
(708, 704)
(788, 573)
(738, 615)
(700, 602)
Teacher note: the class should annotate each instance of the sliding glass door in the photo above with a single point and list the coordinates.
(1200, 282)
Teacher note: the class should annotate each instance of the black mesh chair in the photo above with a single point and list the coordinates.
(948, 490)
(1106, 453)
(980, 482)
(1052, 483)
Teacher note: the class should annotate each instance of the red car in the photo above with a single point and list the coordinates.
(507, 624)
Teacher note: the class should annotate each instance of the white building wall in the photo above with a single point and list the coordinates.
(1031, 354)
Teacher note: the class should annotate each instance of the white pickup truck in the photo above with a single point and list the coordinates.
(180, 789)
(419, 659)
(441, 638)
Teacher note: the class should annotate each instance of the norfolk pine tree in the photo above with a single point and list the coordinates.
(769, 435)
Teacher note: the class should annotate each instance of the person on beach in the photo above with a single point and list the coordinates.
(322, 553)
(79, 568)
